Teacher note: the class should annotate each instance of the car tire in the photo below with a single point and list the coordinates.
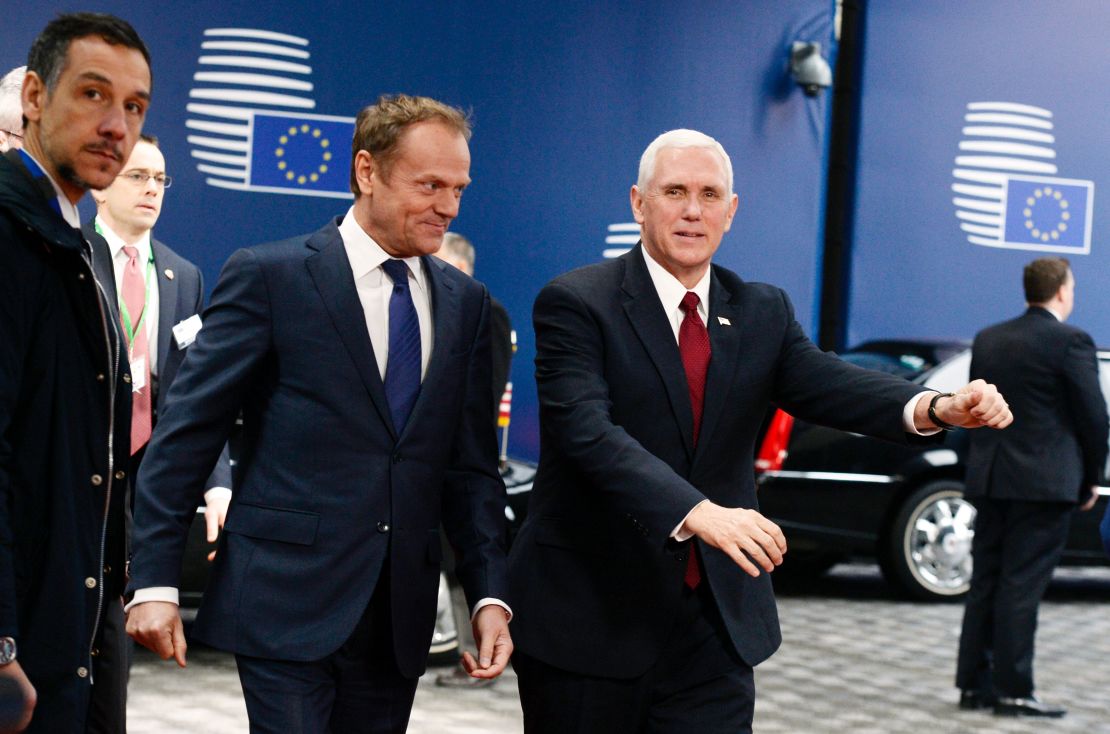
(927, 551)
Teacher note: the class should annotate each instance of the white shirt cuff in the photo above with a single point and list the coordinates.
(217, 493)
(153, 593)
(486, 602)
(680, 533)
(907, 416)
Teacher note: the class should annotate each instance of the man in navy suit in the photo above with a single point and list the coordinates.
(352, 355)
(641, 574)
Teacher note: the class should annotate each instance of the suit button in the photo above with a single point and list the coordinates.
(121, 474)
(80, 276)
(100, 377)
(127, 378)
(82, 672)
(383, 527)
(95, 652)
(97, 480)
(90, 583)
(397, 458)
(680, 557)
(107, 570)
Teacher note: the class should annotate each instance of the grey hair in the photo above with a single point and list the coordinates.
(458, 246)
(11, 101)
(681, 138)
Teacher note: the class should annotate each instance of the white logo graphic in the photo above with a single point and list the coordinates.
(249, 120)
(1006, 191)
(624, 234)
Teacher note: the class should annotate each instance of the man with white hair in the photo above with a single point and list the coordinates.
(11, 109)
(640, 579)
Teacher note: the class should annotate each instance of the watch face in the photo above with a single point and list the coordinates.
(7, 650)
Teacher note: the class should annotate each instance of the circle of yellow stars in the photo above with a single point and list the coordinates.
(1048, 195)
(304, 177)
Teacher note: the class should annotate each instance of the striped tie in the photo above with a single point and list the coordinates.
(402, 370)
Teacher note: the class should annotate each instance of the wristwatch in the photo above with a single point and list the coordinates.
(7, 650)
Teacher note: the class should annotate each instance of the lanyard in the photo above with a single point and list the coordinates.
(123, 312)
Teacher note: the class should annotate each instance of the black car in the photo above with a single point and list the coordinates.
(840, 495)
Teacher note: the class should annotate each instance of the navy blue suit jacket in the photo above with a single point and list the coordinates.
(596, 579)
(328, 490)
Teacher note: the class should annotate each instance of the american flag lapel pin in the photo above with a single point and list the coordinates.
(723, 321)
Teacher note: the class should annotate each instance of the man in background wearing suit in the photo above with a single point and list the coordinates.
(1025, 483)
(167, 296)
(641, 573)
(459, 252)
(362, 368)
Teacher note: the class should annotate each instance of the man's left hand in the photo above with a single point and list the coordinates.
(495, 646)
(974, 405)
(215, 513)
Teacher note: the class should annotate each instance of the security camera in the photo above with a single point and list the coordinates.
(809, 68)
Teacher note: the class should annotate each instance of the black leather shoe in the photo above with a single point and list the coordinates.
(1031, 706)
(973, 699)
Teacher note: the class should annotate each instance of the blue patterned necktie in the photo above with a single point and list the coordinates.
(402, 369)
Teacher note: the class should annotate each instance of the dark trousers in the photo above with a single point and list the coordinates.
(358, 688)
(1017, 545)
(698, 684)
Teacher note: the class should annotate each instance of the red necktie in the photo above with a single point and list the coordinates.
(693, 345)
(134, 297)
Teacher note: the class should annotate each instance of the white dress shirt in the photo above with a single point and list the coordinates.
(119, 262)
(375, 289)
(671, 292)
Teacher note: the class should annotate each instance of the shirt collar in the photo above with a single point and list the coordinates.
(1053, 311)
(67, 207)
(670, 289)
(366, 255)
(116, 243)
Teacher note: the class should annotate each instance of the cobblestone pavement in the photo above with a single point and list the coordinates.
(855, 658)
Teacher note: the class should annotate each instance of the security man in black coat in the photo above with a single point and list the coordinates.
(64, 383)
(1025, 482)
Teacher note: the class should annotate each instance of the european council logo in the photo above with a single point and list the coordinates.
(250, 123)
(1007, 192)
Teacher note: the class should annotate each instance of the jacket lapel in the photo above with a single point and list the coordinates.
(649, 321)
(724, 341)
(330, 270)
(445, 307)
(167, 301)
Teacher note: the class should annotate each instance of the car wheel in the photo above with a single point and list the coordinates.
(444, 649)
(928, 549)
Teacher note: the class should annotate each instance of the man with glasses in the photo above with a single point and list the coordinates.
(11, 109)
(156, 296)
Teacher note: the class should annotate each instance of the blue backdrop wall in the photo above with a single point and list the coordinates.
(983, 144)
(565, 96)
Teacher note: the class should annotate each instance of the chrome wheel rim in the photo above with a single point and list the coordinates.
(938, 543)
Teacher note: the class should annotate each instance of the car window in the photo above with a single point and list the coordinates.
(908, 366)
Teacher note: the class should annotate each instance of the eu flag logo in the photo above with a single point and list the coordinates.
(1049, 214)
(301, 154)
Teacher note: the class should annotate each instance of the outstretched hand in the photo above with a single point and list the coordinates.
(975, 405)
